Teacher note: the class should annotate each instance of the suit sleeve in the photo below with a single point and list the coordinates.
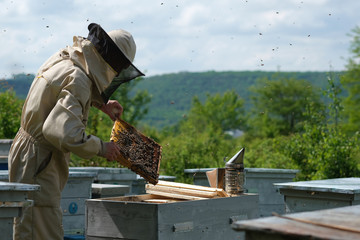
(65, 126)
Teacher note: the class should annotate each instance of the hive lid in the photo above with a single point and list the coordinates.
(139, 153)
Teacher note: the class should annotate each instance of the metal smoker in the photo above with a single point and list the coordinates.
(234, 174)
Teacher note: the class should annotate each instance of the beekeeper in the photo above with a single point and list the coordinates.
(54, 118)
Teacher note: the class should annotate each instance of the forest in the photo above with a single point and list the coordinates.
(297, 120)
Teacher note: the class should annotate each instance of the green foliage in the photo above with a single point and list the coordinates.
(134, 103)
(193, 149)
(200, 140)
(320, 150)
(279, 105)
(351, 82)
(172, 93)
(291, 127)
(220, 112)
(267, 153)
(323, 151)
(10, 114)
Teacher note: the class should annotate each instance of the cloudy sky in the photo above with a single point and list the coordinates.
(184, 35)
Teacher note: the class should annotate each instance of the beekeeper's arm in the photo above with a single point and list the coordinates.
(112, 108)
(64, 127)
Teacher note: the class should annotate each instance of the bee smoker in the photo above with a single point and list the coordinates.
(234, 174)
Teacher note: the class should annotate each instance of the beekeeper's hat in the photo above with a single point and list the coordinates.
(124, 40)
(118, 49)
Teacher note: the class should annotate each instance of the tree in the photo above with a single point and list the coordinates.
(135, 106)
(224, 112)
(351, 82)
(200, 140)
(323, 151)
(10, 114)
(279, 105)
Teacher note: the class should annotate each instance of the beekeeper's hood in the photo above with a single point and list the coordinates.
(118, 49)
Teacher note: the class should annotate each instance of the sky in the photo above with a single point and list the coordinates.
(182, 35)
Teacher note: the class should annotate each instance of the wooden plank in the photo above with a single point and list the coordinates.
(174, 195)
(186, 186)
(101, 190)
(220, 192)
(161, 200)
(338, 223)
(328, 225)
(132, 198)
(26, 203)
(182, 191)
(216, 178)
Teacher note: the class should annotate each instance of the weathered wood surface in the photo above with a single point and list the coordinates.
(9, 186)
(336, 185)
(6, 226)
(339, 223)
(107, 175)
(184, 191)
(320, 194)
(13, 198)
(78, 185)
(77, 190)
(108, 190)
(257, 180)
(131, 217)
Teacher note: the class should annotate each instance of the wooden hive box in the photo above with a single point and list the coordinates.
(320, 194)
(13, 198)
(331, 224)
(155, 217)
(76, 191)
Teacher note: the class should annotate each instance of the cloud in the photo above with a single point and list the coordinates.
(173, 36)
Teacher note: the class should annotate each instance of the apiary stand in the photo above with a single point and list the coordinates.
(330, 224)
(130, 217)
(13, 198)
(76, 191)
(320, 194)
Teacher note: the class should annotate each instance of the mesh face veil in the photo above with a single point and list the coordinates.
(115, 57)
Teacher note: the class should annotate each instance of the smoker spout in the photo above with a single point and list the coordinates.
(238, 158)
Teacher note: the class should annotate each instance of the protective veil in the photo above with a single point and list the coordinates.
(113, 49)
(53, 123)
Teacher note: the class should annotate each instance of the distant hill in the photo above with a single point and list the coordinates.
(20, 83)
(172, 93)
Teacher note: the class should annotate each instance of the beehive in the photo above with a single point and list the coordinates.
(139, 153)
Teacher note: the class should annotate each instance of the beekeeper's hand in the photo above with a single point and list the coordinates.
(112, 151)
(113, 109)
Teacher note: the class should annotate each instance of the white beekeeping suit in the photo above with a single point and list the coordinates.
(54, 119)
